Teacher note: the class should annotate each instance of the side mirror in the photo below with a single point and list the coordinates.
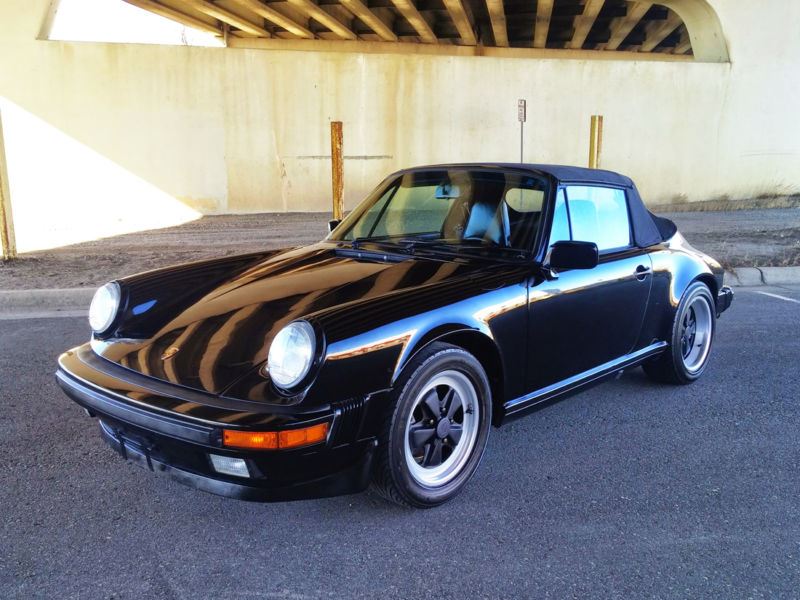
(333, 224)
(573, 255)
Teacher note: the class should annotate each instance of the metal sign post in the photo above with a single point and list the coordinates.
(595, 141)
(337, 168)
(522, 115)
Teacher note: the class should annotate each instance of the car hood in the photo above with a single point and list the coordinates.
(207, 325)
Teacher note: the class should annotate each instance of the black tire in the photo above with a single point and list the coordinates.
(671, 366)
(393, 478)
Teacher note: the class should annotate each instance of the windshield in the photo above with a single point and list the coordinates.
(457, 207)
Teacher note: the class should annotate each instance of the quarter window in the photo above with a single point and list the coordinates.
(599, 215)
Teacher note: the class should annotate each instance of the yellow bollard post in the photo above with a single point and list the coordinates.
(595, 141)
(337, 166)
(7, 240)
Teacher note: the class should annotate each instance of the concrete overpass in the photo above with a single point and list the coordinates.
(105, 138)
(611, 25)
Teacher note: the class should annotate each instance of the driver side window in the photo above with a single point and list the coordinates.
(599, 215)
(592, 214)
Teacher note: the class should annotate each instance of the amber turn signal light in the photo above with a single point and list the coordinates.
(275, 440)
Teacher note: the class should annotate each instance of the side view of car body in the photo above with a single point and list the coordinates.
(455, 297)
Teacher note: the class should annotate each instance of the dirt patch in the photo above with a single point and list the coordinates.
(765, 248)
(724, 204)
(93, 263)
(745, 238)
(737, 239)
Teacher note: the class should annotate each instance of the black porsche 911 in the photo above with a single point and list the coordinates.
(453, 298)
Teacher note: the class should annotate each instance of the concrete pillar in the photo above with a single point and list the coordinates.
(8, 244)
(705, 29)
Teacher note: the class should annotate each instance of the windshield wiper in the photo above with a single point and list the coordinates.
(457, 247)
(409, 245)
(404, 244)
(358, 243)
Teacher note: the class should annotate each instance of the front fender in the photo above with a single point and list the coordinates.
(437, 332)
(369, 354)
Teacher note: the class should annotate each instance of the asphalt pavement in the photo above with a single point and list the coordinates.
(630, 490)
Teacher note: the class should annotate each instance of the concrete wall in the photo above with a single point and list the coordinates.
(213, 130)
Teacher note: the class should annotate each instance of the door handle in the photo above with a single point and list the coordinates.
(642, 272)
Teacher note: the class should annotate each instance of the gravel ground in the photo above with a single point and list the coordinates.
(769, 237)
(630, 490)
(745, 238)
(93, 263)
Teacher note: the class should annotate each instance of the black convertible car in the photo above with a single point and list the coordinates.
(455, 297)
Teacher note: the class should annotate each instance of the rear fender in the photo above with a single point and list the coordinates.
(673, 272)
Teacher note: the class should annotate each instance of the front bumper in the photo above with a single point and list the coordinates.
(172, 431)
(724, 299)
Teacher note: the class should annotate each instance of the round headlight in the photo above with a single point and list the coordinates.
(291, 354)
(104, 307)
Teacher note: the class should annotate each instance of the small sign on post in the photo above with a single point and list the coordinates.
(522, 116)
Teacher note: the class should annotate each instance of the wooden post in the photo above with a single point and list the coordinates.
(7, 240)
(595, 141)
(337, 167)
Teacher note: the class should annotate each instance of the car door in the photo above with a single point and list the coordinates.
(584, 318)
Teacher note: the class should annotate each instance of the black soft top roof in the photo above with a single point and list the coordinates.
(564, 173)
(647, 228)
(569, 174)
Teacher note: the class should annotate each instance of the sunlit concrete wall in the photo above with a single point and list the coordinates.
(212, 130)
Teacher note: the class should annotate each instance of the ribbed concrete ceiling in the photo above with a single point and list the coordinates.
(602, 25)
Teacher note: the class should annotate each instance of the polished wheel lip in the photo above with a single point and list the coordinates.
(696, 331)
(466, 405)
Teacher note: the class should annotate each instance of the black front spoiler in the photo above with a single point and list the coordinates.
(97, 402)
(352, 480)
(172, 444)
